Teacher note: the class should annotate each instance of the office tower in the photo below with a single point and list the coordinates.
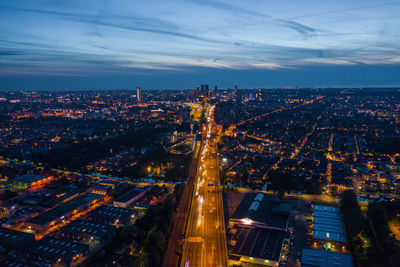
(215, 88)
(236, 88)
(207, 90)
(202, 89)
(138, 95)
(197, 89)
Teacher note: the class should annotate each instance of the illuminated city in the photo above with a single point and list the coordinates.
(200, 133)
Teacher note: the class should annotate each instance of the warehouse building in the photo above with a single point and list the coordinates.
(111, 215)
(52, 250)
(101, 189)
(325, 258)
(130, 197)
(31, 181)
(328, 226)
(259, 246)
(62, 212)
(86, 231)
(11, 239)
(259, 230)
(263, 211)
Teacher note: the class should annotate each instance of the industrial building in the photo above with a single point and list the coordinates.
(86, 231)
(101, 189)
(11, 239)
(53, 216)
(111, 215)
(130, 197)
(54, 250)
(256, 245)
(259, 229)
(325, 258)
(31, 181)
(328, 226)
(262, 211)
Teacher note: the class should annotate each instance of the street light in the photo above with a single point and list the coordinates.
(246, 221)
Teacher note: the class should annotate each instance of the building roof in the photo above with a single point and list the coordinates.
(330, 236)
(89, 228)
(129, 195)
(12, 239)
(111, 212)
(59, 248)
(263, 208)
(29, 178)
(103, 186)
(259, 243)
(327, 223)
(55, 200)
(65, 208)
(325, 258)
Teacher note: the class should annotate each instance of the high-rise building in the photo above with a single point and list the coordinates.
(236, 88)
(138, 95)
(197, 89)
(215, 88)
(202, 89)
(207, 90)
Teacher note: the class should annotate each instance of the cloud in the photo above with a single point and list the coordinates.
(227, 6)
(10, 53)
(305, 31)
(140, 24)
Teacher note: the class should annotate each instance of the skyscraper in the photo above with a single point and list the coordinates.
(202, 89)
(138, 95)
(207, 90)
(236, 88)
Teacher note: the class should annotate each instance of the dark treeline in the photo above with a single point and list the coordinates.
(368, 237)
(284, 182)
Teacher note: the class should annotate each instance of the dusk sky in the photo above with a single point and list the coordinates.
(173, 44)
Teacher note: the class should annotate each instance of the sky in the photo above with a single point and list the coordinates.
(121, 44)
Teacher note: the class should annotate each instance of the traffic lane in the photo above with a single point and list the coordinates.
(195, 259)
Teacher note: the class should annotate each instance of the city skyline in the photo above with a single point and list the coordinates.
(179, 44)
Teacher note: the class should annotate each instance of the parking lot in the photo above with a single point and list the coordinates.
(299, 237)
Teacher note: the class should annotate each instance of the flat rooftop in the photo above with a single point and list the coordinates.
(325, 258)
(258, 243)
(29, 178)
(327, 223)
(15, 239)
(111, 212)
(129, 195)
(330, 236)
(263, 208)
(65, 208)
(59, 248)
(89, 228)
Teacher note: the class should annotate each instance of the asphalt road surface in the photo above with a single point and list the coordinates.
(205, 243)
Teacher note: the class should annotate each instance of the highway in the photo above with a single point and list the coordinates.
(205, 243)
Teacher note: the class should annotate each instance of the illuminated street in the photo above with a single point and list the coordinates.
(205, 243)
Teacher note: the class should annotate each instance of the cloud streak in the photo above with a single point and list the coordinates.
(88, 37)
